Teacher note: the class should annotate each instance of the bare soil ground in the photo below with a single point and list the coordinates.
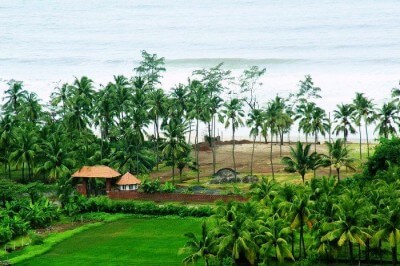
(261, 164)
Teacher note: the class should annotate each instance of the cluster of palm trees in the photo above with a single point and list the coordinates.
(325, 220)
(110, 124)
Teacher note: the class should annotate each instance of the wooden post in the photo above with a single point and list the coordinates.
(84, 186)
(108, 185)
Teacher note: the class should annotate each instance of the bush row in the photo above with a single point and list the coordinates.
(104, 204)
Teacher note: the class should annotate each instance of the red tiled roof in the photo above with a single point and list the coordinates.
(98, 171)
(128, 179)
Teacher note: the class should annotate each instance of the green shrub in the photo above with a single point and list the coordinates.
(151, 186)
(104, 204)
(168, 187)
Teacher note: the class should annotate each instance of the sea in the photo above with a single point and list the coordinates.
(346, 46)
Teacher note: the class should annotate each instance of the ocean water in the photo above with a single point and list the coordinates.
(346, 46)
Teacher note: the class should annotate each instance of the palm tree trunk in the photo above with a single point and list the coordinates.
(315, 149)
(252, 155)
(190, 130)
(304, 245)
(213, 144)
(293, 236)
(380, 251)
(338, 174)
(394, 250)
(367, 250)
(302, 178)
(359, 253)
(351, 251)
(233, 149)
(359, 130)
(157, 139)
(270, 155)
(366, 135)
(23, 171)
(315, 141)
(173, 170)
(330, 141)
(197, 150)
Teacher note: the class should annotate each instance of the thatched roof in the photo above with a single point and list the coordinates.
(98, 171)
(128, 179)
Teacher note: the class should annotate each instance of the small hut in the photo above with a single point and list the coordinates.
(128, 182)
(98, 171)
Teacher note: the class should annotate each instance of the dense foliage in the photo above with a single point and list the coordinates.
(325, 220)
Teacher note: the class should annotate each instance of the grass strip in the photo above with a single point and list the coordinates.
(53, 239)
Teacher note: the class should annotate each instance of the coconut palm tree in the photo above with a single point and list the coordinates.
(346, 228)
(387, 118)
(175, 145)
(233, 115)
(300, 216)
(202, 248)
(319, 124)
(196, 104)
(255, 122)
(157, 102)
(364, 110)
(271, 115)
(343, 117)
(25, 151)
(302, 160)
(235, 238)
(274, 239)
(58, 159)
(389, 229)
(60, 95)
(31, 108)
(14, 96)
(339, 156)
(304, 115)
(7, 127)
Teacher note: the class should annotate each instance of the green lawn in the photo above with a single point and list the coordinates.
(129, 241)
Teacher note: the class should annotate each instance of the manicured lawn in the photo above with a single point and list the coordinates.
(129, 241)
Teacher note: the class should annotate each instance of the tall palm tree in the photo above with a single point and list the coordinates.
(7, 127)
(387, 118)
(346, 228)
(175, 145)
(339, 156)
(300, 213)
(58, 160)
(274, 240)
(31, 108)
(14, 96)
(343, 117)
(157, 101)
(26, 148)
(364, 110)
(122, 92)
(275, 119)
(389, 229)
(255, 122)
(198, 248)
(233, 114)
(301, 160)
(236, 239)
(319, 124)
(197, 95)
(60, 95)
(304, 115)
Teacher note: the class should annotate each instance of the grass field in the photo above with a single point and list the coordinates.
(129, 241)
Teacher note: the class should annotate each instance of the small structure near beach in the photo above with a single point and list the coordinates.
(128, 182)
(98, 171)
